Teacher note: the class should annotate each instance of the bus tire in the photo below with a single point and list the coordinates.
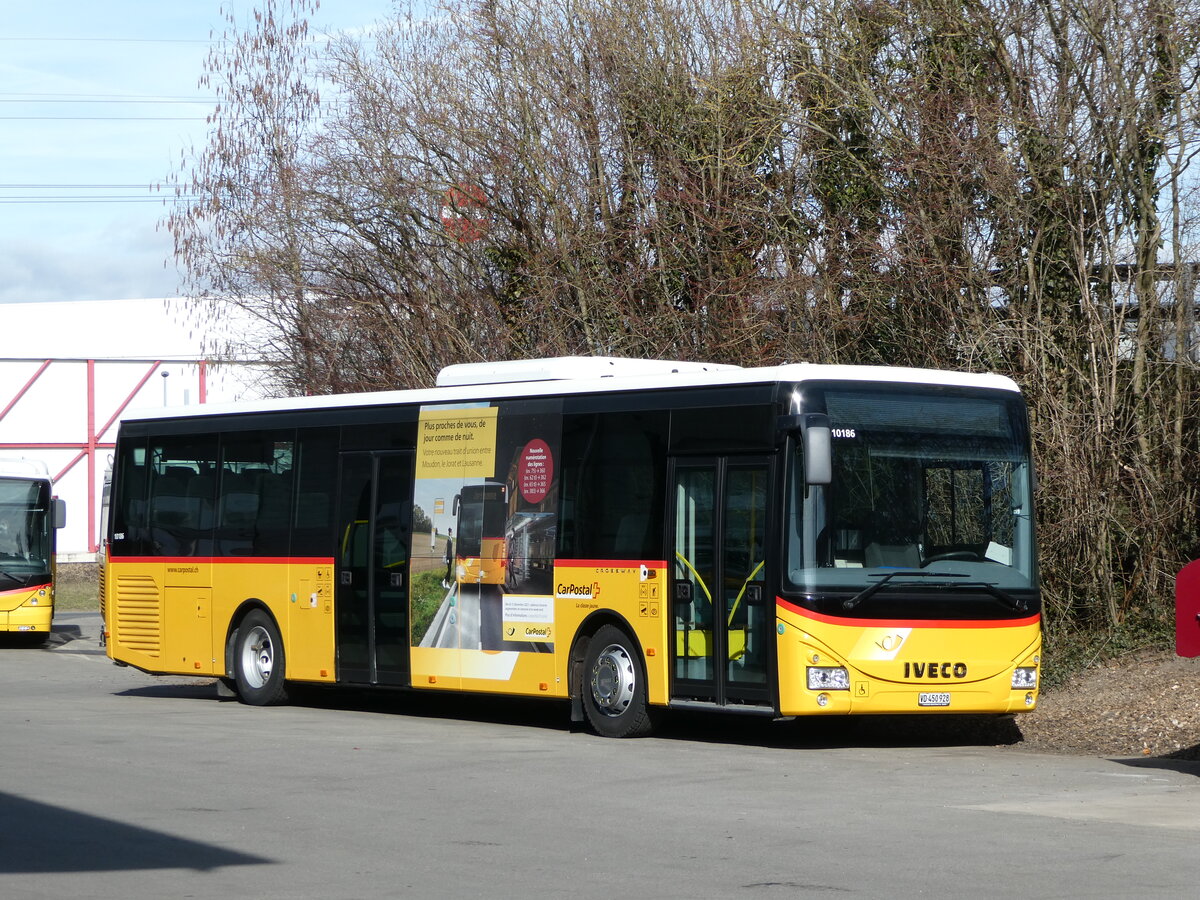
(258, 661)
(613, 686)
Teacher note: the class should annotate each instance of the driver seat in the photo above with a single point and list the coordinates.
(891, 543)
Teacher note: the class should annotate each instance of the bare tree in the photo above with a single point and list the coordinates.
(1000, 184)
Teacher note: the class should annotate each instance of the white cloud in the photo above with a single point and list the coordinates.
(125, 261)
(52, 54)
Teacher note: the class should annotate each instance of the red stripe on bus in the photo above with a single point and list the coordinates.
(909, 623)
(236, 560)
(610, 563)
(276, 560)
(26, 590)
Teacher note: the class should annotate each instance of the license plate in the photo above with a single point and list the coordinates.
(931, 699)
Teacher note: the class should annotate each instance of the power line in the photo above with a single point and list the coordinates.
(316, 39)
(108, 40)
(74, 187)
(103, 118)
(39, 94)
(226, 117)
(14, 201)
(4, 99)
(152, 194)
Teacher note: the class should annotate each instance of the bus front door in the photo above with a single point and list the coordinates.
(718, 587)
(374, 541)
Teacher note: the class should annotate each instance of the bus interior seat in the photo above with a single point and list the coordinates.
(170, 504)
(238, 507)
(275, 499)
(202, 489)
(180, 473)
(892, 542)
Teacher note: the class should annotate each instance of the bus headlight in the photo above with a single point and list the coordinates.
(1024, 678)
(828, 678)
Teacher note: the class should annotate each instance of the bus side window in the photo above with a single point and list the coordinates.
(178, 523)
(237, 512)
(313, 477)
(274, 506)
(255, 499)
(129, 514)
(613, 486)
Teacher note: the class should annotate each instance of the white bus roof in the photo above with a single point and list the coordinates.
(583, 375)
(23, 468)
(566, 368)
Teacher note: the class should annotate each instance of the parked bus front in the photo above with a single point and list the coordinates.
(28, 518)
(911, 579)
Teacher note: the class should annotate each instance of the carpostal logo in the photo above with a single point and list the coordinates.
(577, 591)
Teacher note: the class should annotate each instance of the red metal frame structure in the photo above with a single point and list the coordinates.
(88, 448)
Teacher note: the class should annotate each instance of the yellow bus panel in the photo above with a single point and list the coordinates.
(635, 592)
(27, 609)
(905, 666)
(173, 616)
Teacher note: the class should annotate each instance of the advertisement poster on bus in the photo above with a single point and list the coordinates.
(483, 539)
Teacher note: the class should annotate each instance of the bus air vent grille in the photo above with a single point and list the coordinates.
(138, 614)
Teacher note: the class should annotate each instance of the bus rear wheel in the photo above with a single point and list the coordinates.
(258, 661)
(614, 686)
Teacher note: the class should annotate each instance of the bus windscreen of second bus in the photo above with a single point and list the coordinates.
(932, 490)
(24, 532)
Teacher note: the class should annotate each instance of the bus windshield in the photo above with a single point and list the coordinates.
(481, 512)
(931, 493)
(24, 531)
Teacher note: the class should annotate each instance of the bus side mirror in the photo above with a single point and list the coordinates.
(58, 511)
(818, 448)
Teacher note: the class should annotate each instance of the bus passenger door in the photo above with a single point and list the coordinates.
(374, 541)
(718, 585)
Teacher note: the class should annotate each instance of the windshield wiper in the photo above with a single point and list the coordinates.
(1013, 603)
(14, 578)
(870, 590)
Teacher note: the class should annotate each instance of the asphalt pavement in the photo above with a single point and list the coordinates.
(117, 784)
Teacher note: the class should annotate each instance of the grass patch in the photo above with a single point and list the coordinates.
(426, 600)
(77, 588)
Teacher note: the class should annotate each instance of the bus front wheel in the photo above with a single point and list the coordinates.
(258, 661)
(614, 686)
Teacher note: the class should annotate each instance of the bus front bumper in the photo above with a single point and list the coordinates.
(26, 611)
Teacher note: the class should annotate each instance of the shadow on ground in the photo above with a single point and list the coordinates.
(677, 725)
(56, 839)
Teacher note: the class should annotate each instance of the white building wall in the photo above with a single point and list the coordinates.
(68, 371)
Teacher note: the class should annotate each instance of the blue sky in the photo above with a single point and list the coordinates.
(97, 103)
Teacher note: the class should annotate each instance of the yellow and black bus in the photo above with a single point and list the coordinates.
(29, 518)
(480, 512)
(786, 541)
